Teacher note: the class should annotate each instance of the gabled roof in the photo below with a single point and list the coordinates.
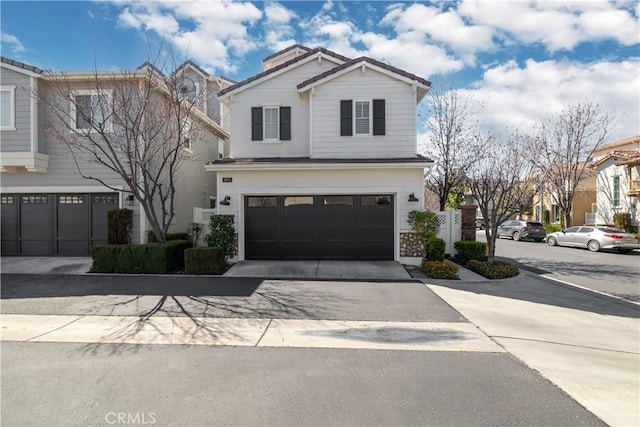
(270, 72)
(626, 155)
(285, 50)
(20, 65)
(193, 65)
(355, 63)
(627, 141)
(152, 67)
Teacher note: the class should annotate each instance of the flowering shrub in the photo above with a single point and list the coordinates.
(440, 270)
(497, 270)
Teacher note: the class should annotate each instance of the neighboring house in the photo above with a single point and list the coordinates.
(584, 202)
(618, 189)
(47, 207)
(323, 161)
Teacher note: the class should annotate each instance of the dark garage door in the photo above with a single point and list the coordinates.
(54, 224)
(351, 227)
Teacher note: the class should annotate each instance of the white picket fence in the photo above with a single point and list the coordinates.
(450, 229)
(202, 216)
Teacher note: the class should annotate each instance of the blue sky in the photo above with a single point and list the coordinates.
(521, 59)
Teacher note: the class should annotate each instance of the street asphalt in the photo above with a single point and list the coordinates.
(82, 349)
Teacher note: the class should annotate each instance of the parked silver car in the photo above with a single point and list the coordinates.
(595, 238)
(517, 229)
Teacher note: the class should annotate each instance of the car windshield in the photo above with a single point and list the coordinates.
(610, 230)
(534, 224)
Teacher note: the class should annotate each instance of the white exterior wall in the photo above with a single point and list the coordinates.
(400, 117)
(280, 90)
(400, 182)
(604, 197)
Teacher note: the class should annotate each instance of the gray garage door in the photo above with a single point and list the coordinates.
(54, 224)
(341, 227)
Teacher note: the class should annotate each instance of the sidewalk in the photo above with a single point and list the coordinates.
(586, 345)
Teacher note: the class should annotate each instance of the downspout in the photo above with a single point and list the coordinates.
(311, 92)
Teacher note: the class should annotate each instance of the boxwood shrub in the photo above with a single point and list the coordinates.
(469, 249)
(497, 270)
(179, 235)
(436, 248)
(440, 270)
(149, 258)
(204, 261)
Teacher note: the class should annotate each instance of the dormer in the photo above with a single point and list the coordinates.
(280, 57)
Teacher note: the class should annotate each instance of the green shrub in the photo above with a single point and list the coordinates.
(552, 228)
(436, 248)
(622, 220)
(204, 261)
(149, 258)
(440, 270)
(546, 216)
(497, 270)
(119, 224)
(469, 249)
(425, 224)
(222, 234)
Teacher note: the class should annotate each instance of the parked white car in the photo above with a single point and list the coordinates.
(595, 238)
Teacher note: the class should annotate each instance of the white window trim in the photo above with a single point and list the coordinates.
(264, 124)
(12, 107)
(108, 93)
(369, 132)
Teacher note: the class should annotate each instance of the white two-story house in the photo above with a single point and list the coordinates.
(323, 160)
(48, 208)
(618, 182)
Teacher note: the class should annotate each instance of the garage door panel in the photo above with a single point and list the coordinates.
(101, 204)
(9, 224)
(36, 224)
(299, 228)
(73, 225)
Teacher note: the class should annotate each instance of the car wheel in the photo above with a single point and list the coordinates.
(593, 245)
(551, 241)
(516, 236)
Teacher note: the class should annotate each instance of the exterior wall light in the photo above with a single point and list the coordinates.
(225, 201)
(413, 198)
(129, 200)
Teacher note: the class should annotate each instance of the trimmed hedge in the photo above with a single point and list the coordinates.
(436, 248)
(119, 224)
(440, 270)
(497, 270)
(204, 261)
(469, 249)
(179, 235)
(552, 228)
(622, 221)
(149, 258)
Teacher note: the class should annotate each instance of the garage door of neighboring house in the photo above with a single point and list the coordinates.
(54, 224)
(341, 227)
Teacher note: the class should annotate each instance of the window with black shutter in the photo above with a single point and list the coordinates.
(270, 123)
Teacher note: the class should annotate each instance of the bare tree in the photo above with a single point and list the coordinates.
(564, 143)
(452, 143)
(501, 183)
(137, 125)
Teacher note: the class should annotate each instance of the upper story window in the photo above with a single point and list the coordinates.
(186, 135)
(91, 111)
(362, 117)
(271, 124)
(7, 108)
(616, 191)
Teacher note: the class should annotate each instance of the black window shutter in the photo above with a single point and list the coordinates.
(346, 118)
(256, 123)
(378, 117)
(285, 123)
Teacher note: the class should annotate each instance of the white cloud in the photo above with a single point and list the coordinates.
(278, 30)
(515, 95)
(210, 32)
(15, 44)
(557, 25)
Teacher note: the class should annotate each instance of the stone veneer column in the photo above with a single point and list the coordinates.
(468, 222)
(410, 245)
